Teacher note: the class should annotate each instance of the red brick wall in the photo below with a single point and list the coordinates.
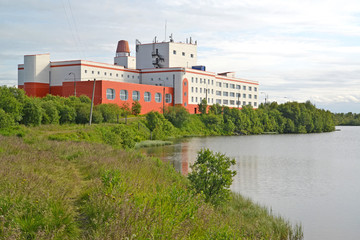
(34, 89)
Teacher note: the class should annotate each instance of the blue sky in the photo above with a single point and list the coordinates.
(297, 50)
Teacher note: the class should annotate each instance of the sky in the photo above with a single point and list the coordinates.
(298, 50)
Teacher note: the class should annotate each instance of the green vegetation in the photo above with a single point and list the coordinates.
(211, 176)
(56, 190)
(61, 178)
(348, 119)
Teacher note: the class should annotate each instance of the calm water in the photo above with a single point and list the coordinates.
(312, 179)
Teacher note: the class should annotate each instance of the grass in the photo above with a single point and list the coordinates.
(85, 189)
(152, 143)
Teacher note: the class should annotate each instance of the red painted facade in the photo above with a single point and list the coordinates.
(34, 89)
(86, 88)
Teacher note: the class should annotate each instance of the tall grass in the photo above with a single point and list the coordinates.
(88, 190)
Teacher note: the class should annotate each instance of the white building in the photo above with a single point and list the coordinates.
(167, 70)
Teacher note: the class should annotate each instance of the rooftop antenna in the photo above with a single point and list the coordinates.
(165, 30)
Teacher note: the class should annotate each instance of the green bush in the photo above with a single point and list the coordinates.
(211, 176)
(6, 120)
(32, 112)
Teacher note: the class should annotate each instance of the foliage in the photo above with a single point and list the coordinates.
(203, 106)
(177, 115)
(211, 176)
(110, 112)
(347, 119)
(32, 112)
(136, 108)
(57, 190)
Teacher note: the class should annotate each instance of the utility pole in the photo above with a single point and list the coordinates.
(92, 102)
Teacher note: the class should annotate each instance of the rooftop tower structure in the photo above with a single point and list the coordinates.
(122, 57)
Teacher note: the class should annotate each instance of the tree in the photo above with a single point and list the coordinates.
(32, 112)
(136, 108)
(203, 106)
(177, 115)
(152, 121)
(211, 175)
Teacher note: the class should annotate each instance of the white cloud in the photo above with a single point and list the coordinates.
(298, 49)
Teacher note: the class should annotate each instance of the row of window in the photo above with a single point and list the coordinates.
(219, 93)
(110, 74)
(124, 95)
(183, 54)
(219, 84)
(225, 101)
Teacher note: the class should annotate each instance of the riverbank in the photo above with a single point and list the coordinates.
(69, 183)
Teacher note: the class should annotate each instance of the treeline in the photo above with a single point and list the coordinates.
(17, 108)
(347, 119)
(291, 117)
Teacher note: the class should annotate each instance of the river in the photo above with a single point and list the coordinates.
(312, 179)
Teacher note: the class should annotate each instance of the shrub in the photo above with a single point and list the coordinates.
(136, 108)
(32, 112)
(211, 176)
(177, 115)
(5, 119)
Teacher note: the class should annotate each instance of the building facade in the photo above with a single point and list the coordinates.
(162, 74)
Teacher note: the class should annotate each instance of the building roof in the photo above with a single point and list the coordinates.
(123, 46)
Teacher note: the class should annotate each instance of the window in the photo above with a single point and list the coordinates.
(192, 99)
(105, 73)
(147, 96)
(122, 75)
(124, 95)
(244, 95)
(85, 71)
(192, 89)
(218, 93)
(249, 103)
(238, 87)
(117, 75)
(225, 94)
(200, 80)
(174, 52)
(192, 79)
(195, 99)
(200, 90)
(92, 72)
(110, 74)
(185, 104)
(226, 85)
(110, 93)
(128, 76)
(218, 84)
(98, 72)
(185, 94)
(158, 97)
(212, 82)
(244, 87)
(255, 96)
(255, 89)
(196, 80)
(212, 100)
(226, 101)
(208, 100)
(183, 53)
(192, 55)
(250, 96)
(232, 94)
(249, 88)
(196, 89)
(152, 79)
(212, 91)
(238, 103)
(136, 95)
(185, 83)
(255, 104)
(238, 95)
(218, 101)
(133, 76)
(244, 103)
(232, 102)
(232, 86)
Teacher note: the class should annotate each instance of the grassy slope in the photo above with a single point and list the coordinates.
(79, 190)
